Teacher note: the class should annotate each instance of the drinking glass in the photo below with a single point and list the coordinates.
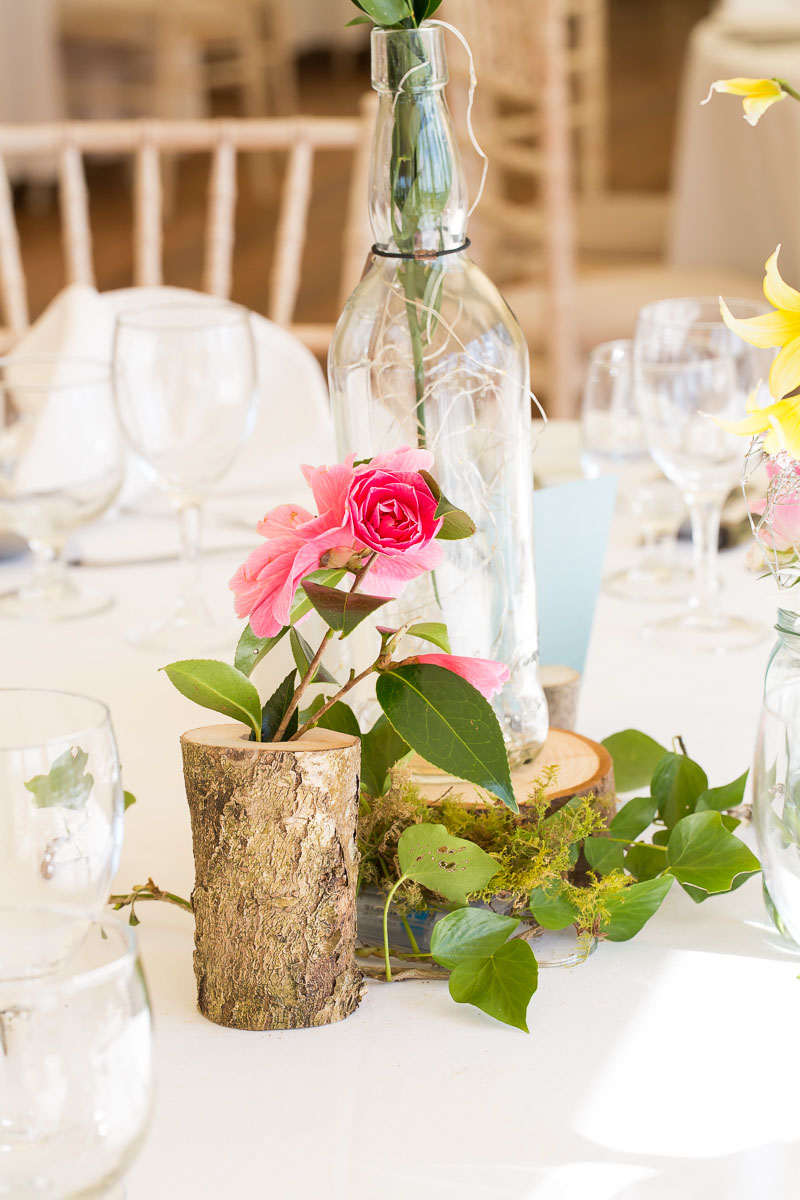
(776, 803)
(613, 443)
(61, 466)
(689, 368)
(61, 811)
(184, 381)
(76, 1077)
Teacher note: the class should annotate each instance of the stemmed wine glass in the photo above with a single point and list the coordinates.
(61, 466)
(613, 443)
(76, 1078)
(184, 381)
(689, 368)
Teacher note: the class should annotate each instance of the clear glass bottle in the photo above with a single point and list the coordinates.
(783, 667)
(427, 352)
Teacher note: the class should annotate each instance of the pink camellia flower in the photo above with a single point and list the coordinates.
(384, 506)
(484, 674)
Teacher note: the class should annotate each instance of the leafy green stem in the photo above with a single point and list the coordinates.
(410, 934)
(389, 898)
(787, 87)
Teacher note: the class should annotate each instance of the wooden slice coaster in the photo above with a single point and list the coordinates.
(584, 766)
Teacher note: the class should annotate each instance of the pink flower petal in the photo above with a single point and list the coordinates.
(484, 674)
(330, 486)
(285, 519)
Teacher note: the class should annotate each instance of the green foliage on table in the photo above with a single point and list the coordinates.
(449, 723)
(635, 757)
(706, 858)
(451, 866)
(66, 785)
(486, 969)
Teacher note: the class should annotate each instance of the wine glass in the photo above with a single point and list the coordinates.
(689, 368)
(76, 1076)
(776, 804)
(61, 813)
(184, 381)
(613, 443)
(61, 465)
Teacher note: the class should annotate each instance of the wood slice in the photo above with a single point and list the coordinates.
(273, 831)
(584, 766)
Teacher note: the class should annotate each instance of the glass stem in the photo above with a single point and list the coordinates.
(705, 518)
(190, 521)
(48, 579)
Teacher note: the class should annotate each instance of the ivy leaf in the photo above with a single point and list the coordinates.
(217, 686)
(603, 855)
(381, 748)
(633, 818)
(342, 611)
(677, 782)
(66, 785)
(722, 798)
(432, 631)
(275, 709)
(501, 984)
(706, 859)
(631, 908)
(551, 909)
(645, 862)
(451, 866)
(448, 722)
(456, 524)
(469, 933)
(635, 757)
(303, 656)
(128, 800)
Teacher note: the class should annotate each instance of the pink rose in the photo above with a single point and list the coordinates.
(392, 511)
(484, 674)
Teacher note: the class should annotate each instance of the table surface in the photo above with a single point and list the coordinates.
(660, 1067)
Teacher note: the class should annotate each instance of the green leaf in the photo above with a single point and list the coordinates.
(604, 855)
(358, 21)
(633, 818)
(630, 909)
(722, 798)
(705, 856)
(635, 757)
(456, 524)
(340, 717)
(645, 862)
(342, 611)
(676, 784)
(128, 800)
(303, 656)
(217, 686)
(387, 12)
(469, 933)
(381, 748)
(432, 631)
(66, 785)
(501, 984)
(275, 709)
(448, 722)
(448, 865)
(551, 909)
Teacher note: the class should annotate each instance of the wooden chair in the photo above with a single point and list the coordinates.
(299, 138)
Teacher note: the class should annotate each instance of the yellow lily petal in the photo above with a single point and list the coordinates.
(784, 374)
(770, 329)
(749, 426)
(777, 292)
(757, 94)
(784, 433)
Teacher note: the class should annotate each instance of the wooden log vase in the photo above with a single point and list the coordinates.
(274, 836)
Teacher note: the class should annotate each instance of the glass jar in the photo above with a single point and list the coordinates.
(783, 668)
(427, 353)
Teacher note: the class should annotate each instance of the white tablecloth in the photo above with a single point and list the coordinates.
(659, 1068)
(735, 187)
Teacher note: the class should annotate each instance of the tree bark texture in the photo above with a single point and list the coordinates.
(273, 829)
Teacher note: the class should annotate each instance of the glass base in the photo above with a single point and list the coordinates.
(705, 633)
(59, 603)
(187, 633)
(651, 582)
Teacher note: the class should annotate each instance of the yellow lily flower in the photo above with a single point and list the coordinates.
(779, 328)
(780, 422)
(757, 94)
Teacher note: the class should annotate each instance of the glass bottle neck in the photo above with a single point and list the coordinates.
(418, 193)
(788, 629)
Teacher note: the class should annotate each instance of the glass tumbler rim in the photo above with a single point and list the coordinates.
(143, 317)
(646, 314)
(101, 366)
(103, 717)
(65, 980)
